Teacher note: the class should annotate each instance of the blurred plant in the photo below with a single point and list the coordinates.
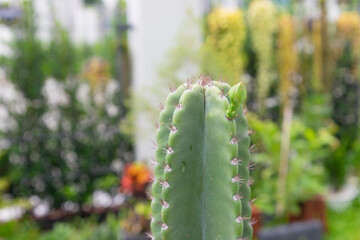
(317, 56)
(263, 24)
(61, 54)
(318, 112)
(343, 225)
(19, 230)
(287, 62)
(86, 230)
(137, 219)
(348, 26)
(31, 61)
(6, 200)
(79, 229)
(306, 176)
(97, 72)
(345, 114)
(345, 97)
(64, 145)
(226, 33)
(26, 65)
(135, 178)
(286, 57)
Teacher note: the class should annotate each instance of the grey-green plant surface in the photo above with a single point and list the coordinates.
(200, 190)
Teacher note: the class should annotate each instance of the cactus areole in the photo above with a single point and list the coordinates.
(201, 185)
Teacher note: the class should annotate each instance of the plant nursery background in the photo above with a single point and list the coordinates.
(80, 86)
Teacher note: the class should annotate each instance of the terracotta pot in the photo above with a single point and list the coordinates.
(314, 208)
(257, 218)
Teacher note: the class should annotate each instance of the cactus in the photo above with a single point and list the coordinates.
(263, 25)
(201, 186)
(225, 41)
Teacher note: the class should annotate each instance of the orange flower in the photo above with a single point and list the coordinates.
(135, 178)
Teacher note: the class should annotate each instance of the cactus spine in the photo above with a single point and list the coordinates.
(200, 190)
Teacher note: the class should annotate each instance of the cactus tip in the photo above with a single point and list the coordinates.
(238, 93)
(237, 96)
(205, 81)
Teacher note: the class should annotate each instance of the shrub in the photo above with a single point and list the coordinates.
(65, 144)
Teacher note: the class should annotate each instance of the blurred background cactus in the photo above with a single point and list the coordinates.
(263, 25)
(225, 40)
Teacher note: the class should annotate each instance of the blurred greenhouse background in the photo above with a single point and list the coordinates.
(80, 86)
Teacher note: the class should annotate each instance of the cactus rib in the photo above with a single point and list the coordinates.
(162, 141)
(244, 157)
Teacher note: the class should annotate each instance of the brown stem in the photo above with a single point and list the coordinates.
(284, 159)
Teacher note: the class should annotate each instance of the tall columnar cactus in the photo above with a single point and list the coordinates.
(201, 186)
(225, 40)
(317, 56)
(263, 25)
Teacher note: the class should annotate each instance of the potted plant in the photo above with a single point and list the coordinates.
(306, 175)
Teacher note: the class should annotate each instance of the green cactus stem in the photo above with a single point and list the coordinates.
(200, 190)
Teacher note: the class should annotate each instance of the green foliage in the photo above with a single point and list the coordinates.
(78, 229)
(6, 201)
(306, 174)
(19, 230)
(60, 55)
(85, 230)
(194, 184)
(344, 225)
(32, 61)
(72, 145)
(26, 66)
(345, 114)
